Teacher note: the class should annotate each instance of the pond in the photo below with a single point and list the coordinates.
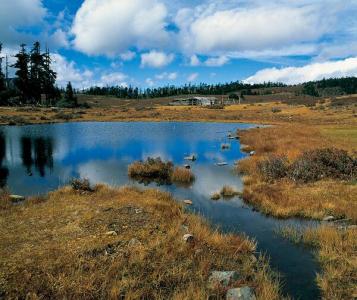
(38, 158)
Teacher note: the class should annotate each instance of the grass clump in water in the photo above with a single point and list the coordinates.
(182, 175)
(228, 192)
(153, 169)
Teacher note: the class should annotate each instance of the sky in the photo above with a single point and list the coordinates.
(150, 43)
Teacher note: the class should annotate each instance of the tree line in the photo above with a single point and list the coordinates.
(188, 89)
(34, 82)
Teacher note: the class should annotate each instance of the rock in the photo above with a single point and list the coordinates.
(222, 278)
(111, 233)
(252, 153)
(188, 238)
(187, 167)
(352, 227)
(16, 198)
(243, 293)
(187, 202)
(138, 210)
(134, 242)
(328, 219)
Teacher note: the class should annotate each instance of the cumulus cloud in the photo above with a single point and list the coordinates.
(111, 27)
(69, 71)
(166, 76)
(116, 78)
(128, 55)
(213, 31)
(192, 77)
(311, 72)
(16, 14)
(217, 61)
(156, 59)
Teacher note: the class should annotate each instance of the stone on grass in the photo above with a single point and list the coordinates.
(16, 198)
(243, 293)
(328, 219)
(222, 278)
(187, 202)
(111, 233)
(188, 238)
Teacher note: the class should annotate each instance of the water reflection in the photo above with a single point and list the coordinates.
(4, 171)
(42, 151)
(40, 158)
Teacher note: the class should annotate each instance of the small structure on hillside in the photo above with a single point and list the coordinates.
(195, 101)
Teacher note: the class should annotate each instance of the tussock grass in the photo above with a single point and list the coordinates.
(116, 243)
(182, 175)
(152, 169)
(228, 192)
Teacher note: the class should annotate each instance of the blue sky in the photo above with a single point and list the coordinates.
(150, 43)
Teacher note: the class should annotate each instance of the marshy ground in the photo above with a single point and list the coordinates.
(109, 243)
(39, 252)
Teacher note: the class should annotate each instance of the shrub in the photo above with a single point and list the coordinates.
(81, 185)
(321, 163)
(182, 175)
(274, 168)
(153, 169)
(276, 110)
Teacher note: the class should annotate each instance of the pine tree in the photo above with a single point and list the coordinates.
(70, 99)
(22, 73)
(2, 76)
(49, 79)
(36, 73)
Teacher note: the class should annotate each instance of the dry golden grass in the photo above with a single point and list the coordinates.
(182, 175)
(152, 168)
(285, 198)
(336, 251)
(114, 243)
(228, 192)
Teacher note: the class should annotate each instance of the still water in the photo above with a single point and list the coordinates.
(38, 158)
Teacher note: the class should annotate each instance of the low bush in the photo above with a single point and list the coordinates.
(274, 168)
(323, 163)
(182, 175)
(311, 166)
(81, 185)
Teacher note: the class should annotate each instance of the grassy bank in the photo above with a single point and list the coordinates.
(336, 251)
(111, 243)
(336, 248)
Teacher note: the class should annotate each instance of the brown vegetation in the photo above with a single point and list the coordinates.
(182, 175)
(336, 251)
(118, 244)
(228, 192)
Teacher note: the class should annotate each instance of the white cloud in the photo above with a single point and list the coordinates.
(115, 79)
(149, 82)
(111, 27)
(167, 76)
(156, 59)
(211, 31)
(192, 77)
(194, 61)
(311, 72)
(128, 55)
(16, 14)
(216, 61)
